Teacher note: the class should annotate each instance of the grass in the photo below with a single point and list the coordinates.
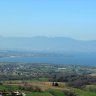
(84, 93)
(8, 88)
(91, 88)
(48, 89)
(20, 81)
(16, 88)
(38, 94)
(57, 92)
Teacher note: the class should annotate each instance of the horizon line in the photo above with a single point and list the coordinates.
(47, 37)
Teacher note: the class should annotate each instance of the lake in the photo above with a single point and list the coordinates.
(77, 59)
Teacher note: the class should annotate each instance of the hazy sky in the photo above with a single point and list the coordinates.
(68, 18)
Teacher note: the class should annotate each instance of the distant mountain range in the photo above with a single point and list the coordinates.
(51, 44)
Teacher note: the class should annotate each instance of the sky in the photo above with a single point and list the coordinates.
(52, 18)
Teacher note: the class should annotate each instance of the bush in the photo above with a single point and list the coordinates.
(55, 84)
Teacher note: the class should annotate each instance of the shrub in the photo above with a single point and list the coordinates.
(55, 84)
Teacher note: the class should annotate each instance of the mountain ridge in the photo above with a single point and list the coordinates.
(48, 44)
